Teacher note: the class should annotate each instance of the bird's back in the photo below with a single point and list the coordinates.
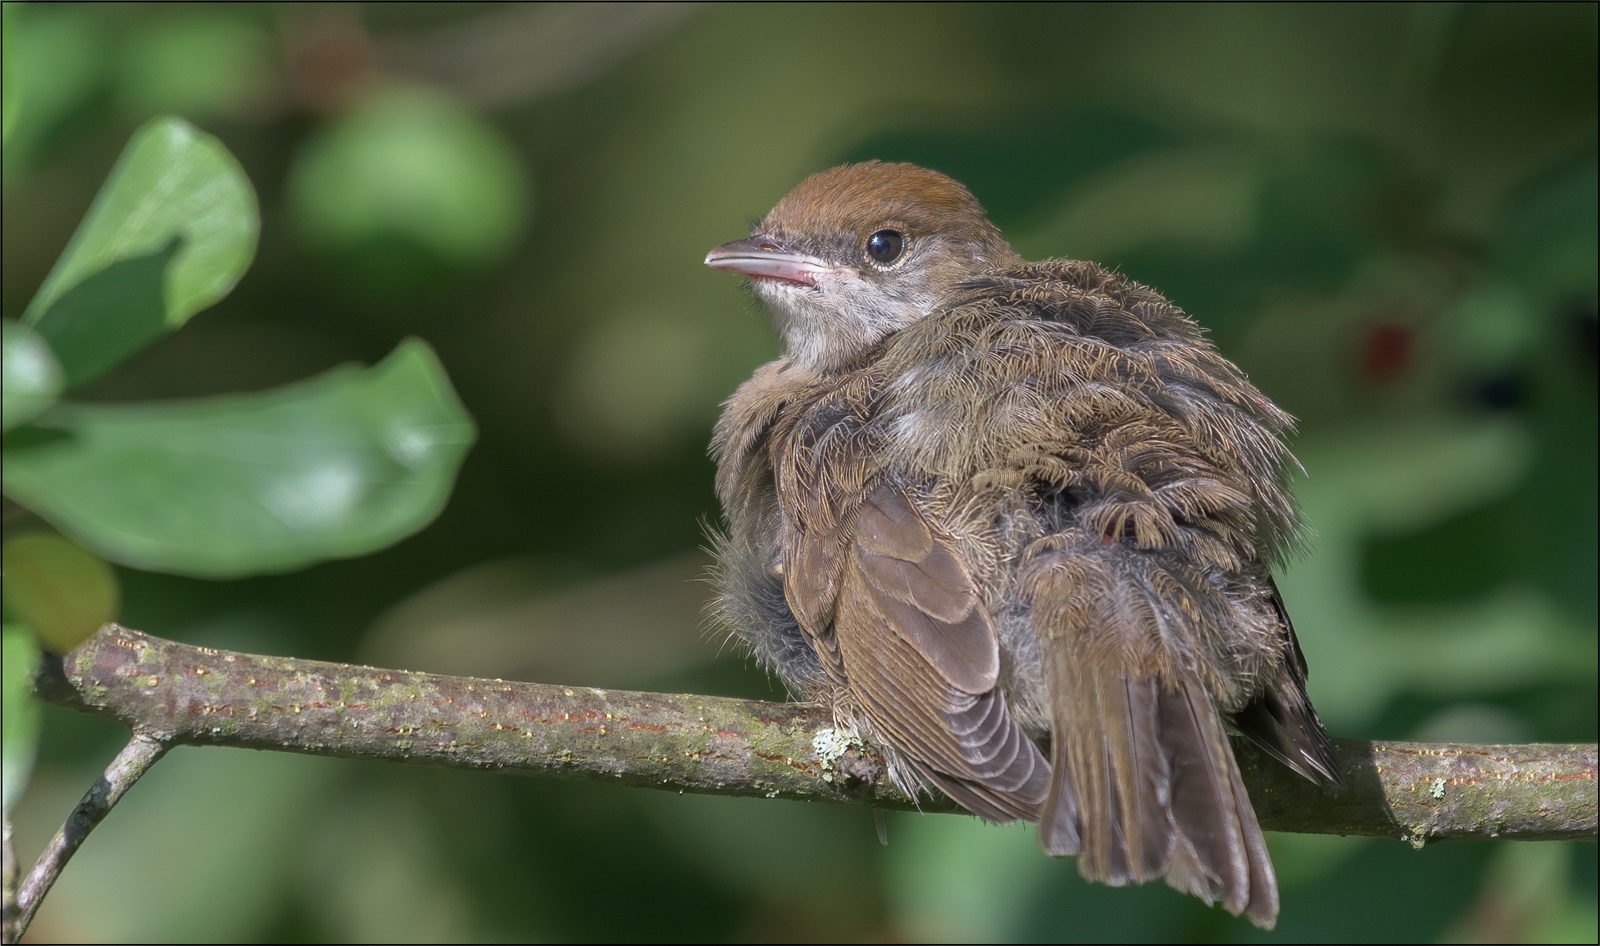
(1076, 368)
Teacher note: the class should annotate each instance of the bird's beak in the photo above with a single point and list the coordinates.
(765, 257)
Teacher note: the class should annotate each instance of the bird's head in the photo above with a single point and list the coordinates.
(860, 251)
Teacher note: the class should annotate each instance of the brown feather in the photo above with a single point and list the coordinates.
(920, 658)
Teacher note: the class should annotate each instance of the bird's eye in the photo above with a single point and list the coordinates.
(885, 246)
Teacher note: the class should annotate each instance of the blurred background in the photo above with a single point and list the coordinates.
(1385, 214)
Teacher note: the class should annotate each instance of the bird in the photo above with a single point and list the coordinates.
(1014, 523)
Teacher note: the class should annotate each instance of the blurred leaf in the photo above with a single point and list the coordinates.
(411, 168)
(10, 86)
(60, 591)
(1543, 294)
(32, 376)
(1494, 325)
(338, 466)
(1549, 242)
(1553, 531)
(1312, 229)
(1318, 209)
(1020, 172)
(57, 55)
(21, 721)
(1440, 883)
(957, 879)
(1441, 563)
(194, 64)
(171, 232)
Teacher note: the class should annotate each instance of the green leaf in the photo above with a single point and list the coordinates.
(60, 591)
(170, 233)
(338, 466)
(32, 379)
(21, 722)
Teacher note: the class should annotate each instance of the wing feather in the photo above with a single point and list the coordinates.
(919, 655)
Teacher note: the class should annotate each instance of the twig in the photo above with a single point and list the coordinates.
(134, 760)
(8, 885)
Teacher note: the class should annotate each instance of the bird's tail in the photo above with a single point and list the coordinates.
(1144, 781)
(1146, 786)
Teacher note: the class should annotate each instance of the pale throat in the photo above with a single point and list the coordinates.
(831, 327)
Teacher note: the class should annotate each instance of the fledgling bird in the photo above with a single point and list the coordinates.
(981, 505)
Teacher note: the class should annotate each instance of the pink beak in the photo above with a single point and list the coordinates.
(763, 257)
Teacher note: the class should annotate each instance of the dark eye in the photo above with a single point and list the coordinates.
(885, 246)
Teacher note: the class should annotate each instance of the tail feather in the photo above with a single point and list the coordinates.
(1221, 853)
(1058, 825)
(1145, 786)
(1124, 784)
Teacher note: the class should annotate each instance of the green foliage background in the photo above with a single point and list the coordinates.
(1385, 214)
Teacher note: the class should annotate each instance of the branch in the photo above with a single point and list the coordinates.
(9, 930)
(134, 760)
(186, 695)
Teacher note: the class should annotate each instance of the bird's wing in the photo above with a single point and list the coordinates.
(893, 611)
(1282, 720)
